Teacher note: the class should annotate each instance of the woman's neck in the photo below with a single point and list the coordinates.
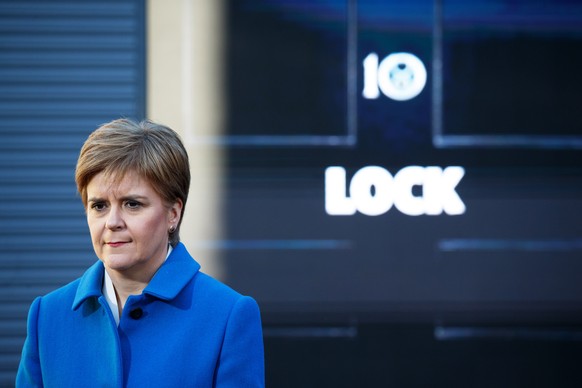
(127, 283)
(133, 281)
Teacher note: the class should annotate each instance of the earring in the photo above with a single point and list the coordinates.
(172, 229)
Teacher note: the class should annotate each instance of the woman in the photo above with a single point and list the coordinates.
(143, 315)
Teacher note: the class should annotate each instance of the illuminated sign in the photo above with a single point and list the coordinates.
(400, 76)
(373, 191)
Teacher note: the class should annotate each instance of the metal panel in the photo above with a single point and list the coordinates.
(65, 68)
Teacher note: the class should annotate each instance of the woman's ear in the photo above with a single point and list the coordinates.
(175, 212)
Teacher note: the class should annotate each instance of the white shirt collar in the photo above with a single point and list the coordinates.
(109, 292)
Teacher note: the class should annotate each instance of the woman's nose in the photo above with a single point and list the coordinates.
(114, 219)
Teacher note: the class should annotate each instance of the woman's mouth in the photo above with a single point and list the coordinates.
(116, 244)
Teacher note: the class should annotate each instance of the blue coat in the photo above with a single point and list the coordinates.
(185, 330)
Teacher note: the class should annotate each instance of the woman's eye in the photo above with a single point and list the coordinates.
(98, 206)
(133, 204)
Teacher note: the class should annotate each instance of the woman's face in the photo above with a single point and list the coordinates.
(129, 224)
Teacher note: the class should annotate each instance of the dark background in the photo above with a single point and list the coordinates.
(508, 88)
(488, 298)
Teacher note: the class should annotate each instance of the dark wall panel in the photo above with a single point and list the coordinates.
(65, 68)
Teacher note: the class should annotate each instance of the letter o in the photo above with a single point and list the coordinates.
(361, 190)
(396, 63)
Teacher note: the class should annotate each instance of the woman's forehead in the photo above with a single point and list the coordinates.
(119, 183)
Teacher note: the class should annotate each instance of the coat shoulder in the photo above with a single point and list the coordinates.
(65, 293)
(206, 284)
(217, 295)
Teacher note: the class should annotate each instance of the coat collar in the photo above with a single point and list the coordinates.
(167, 282)
(173, 275)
